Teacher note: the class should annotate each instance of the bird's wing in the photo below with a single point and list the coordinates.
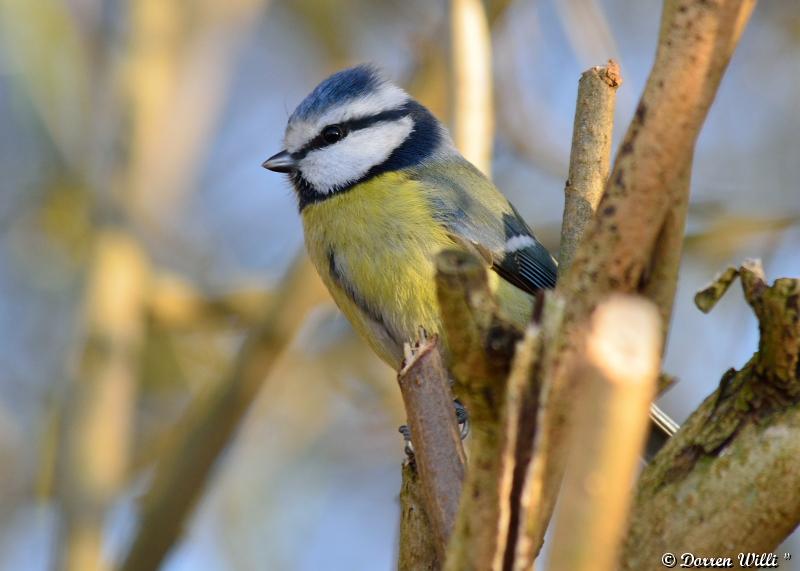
(482, 217)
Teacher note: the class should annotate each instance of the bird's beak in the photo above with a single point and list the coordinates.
(280, 162)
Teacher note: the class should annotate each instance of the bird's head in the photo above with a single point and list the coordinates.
(355, 125)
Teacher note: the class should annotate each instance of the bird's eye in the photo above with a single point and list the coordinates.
(332, 133)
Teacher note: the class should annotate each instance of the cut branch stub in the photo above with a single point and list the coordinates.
(590, 158)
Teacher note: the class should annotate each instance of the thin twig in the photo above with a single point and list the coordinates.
(623, 356)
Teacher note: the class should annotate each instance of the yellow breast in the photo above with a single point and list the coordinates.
(374, 246)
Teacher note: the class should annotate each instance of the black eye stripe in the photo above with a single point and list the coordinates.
(319, 142)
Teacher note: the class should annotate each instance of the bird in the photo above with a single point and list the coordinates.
(381, 189)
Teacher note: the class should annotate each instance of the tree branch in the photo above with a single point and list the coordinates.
(696, 42)
(418, 550)
(662, 276)
(438, 452)
(481, 346)
(590, 157)
(624, 349)
(742, 442)
(100, 416)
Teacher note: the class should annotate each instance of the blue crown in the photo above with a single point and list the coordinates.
(340, 87)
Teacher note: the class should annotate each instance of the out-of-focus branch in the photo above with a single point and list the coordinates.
(623, 356)
(418, 550)
(99, 417)
(473, 116)
(696, 42)
(587, 28)
(590, 158)
(481, 346)
(746, 433)
(185, 465)
(176, 303)
(176, 84)
(662, 276)
(438, 452)
(43, 42)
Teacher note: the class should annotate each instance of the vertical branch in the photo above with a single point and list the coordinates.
(481, 346)
(697, 40)
(100, 414)
(438, 453)
(588, 172)
(623, 356)
(532, 484)
(662, 278)
(473, 119)
(590, 158)
(522, 400)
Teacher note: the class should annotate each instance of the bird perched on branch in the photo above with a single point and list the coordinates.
(381, 190)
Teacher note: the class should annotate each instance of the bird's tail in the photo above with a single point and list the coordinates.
(662, 427)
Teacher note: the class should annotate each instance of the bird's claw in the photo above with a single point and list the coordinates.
(462, 417)
(408, 448)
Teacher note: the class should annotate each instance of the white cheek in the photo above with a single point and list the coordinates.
(348, 160)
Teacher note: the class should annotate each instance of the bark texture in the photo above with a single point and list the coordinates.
(438, 453)
(696, 42)
(418, 550)
(725, 483)
(590, 157)
(481, 346)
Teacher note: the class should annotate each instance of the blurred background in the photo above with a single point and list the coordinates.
(140, 241)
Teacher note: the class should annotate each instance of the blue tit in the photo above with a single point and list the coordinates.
(381, 189)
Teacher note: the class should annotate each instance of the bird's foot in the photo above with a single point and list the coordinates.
(462, 417)
(408, 448)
